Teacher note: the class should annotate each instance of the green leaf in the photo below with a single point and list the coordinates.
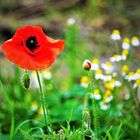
(109, 136)
(23, 123)
(117, 135)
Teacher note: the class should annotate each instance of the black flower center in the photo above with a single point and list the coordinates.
(31, 43)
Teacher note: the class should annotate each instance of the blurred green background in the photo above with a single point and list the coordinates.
(87, 38)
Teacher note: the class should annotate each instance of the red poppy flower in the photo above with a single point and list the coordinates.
(31, 49)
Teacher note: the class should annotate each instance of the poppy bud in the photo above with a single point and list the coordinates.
(26, 80)
(87, 65)
(61, 134)
(86, 118)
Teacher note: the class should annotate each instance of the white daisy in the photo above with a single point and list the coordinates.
(109, 99)
(137, 83)
(99, 75)
(124, 54)
(116, 58)
(97, 95)
(135, 41)
(126, 44)
(130, 76)
(84, 81)
(103, 105)
(115, 35)
(71, 21)
(95, 64)
(47, 74)
(107, 67)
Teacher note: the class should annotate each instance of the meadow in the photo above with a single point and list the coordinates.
(90, 92)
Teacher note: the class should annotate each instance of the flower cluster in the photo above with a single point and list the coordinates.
(133, 77)
(126, 44)
(106, 76)
(102, 72)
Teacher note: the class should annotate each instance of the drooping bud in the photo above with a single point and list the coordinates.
(87, 65)
(86, 118)
(61, 134)
(26, 80)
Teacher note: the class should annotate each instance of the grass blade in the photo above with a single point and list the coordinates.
(117, 135)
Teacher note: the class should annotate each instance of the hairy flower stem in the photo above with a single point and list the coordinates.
(42, 100)
(95, 121)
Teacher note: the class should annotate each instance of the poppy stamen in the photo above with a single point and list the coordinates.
(32, 43)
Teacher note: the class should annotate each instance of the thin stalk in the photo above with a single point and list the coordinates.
(0, 132)
(42, 100)
(132, 91)
(138, 108)
(137, 98)
(118, 47)
(95, 121)
(11, 109)
(12, 128)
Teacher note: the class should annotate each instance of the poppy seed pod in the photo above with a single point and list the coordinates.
(87, 65)
(26, 82)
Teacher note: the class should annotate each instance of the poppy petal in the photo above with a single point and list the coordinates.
(56, 45)
(22, 59)
(15, 49)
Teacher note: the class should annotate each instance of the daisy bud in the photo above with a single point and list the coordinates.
(26, 80)
(87, 65)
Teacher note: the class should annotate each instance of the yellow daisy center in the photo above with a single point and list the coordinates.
(108, 64)
(125, 52)
(125, 68)
(95, 61)
(84, 79)
(99, 71)
(126, 40)
(116, 32)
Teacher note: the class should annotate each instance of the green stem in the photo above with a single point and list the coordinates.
(87, 96)
(133, 94)
(42, 100)
(137, 98)
(95, 121)
(118, 47)
(0, 132)
(138, 108)
(12, 128)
